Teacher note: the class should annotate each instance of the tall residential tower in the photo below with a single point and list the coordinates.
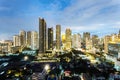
(68, 38)
(50, 38)
(58, 37)
(42, 35)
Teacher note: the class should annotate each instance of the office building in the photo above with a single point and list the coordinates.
(42, 35)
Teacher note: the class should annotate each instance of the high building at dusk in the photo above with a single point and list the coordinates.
(76, 41)
(119, 34)
(95, 40)
(28, 39)
(86, 36)
(22, 35)
(106, 41)
(42, 35)
(16, 40)
(68, 37)
(50, 38)
(34, 40)
(58, 37)
(88, 44)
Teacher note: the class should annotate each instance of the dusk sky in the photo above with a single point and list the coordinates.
(99, 17)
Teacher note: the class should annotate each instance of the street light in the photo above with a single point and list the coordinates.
(26, 58)
(47, 67)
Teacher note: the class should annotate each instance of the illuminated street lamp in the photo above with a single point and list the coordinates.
(26, 58)
(47, 67)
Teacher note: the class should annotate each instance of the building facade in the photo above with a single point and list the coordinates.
(42, 35)
(58, 37)
(76, 41)
(95, 40)
(29, 39)
(68, 37)
(50, 38)
(86, 36)
(5, 46)
(22, 35)
(16, 40)
(34, 40)
(106, 41)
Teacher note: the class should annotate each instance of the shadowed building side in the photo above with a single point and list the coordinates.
(42, 35)
(50, 38)
(58, 37)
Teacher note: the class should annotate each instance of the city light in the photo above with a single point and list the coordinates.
(26, 58)
(47, 67)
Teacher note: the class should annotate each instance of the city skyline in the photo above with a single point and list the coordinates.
(97, 17)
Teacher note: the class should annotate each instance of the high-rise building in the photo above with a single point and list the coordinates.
(106, 41)
(16, 40)
(88, 44)
(68, 38)
(50, 38)
(42, 35)
(86, 37)
(29, 39)
(58, 37)
(114, 37)
(119, 35)
(22, 38)
(34, 40)
(95, 40)
(76, 41)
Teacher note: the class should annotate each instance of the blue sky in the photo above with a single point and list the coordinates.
(96, 16)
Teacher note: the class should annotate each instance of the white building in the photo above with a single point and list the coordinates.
(34, 40)
(76, 41)
(16, 40)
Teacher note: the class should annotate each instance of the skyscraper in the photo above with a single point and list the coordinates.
(76, 41)
(16, 40)
(34, 40)
(86, 37)
(119, 34)
(29, 39)
(58, 37)
(68, 38)
(22, 38)
(50, 38)
(95, 40)
(42, 35)
(106, 41)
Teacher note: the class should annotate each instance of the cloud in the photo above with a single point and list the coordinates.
(2, 8)
(79, 15)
